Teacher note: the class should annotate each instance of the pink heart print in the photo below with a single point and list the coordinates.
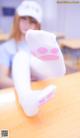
(46, 54)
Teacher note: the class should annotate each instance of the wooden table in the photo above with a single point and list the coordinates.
(59, 118)
(59, 35)
(3, 37)
(70, 43)
(71, 51)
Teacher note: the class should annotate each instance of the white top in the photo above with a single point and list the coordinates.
(9, 49)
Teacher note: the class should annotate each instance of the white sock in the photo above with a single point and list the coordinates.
(29, 99)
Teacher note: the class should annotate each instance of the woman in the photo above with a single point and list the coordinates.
(18, 61)
(28, 16)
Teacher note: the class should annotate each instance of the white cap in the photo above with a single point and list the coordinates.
(30, 8)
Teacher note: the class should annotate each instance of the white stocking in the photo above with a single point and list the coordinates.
(46, 54)
(30, 100)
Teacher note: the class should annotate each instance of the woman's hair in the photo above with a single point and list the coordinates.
(16, 33)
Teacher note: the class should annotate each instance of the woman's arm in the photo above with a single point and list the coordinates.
(5, 80)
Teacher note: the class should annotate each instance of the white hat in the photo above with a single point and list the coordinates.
(30, 8)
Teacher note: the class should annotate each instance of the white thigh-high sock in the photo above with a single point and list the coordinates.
(46, 54)
(29, 99)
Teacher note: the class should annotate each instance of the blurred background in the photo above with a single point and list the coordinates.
(60, 17)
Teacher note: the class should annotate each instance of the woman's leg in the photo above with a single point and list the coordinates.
(48, 69)
(28, 99)
(21, 72)
(48, 61)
